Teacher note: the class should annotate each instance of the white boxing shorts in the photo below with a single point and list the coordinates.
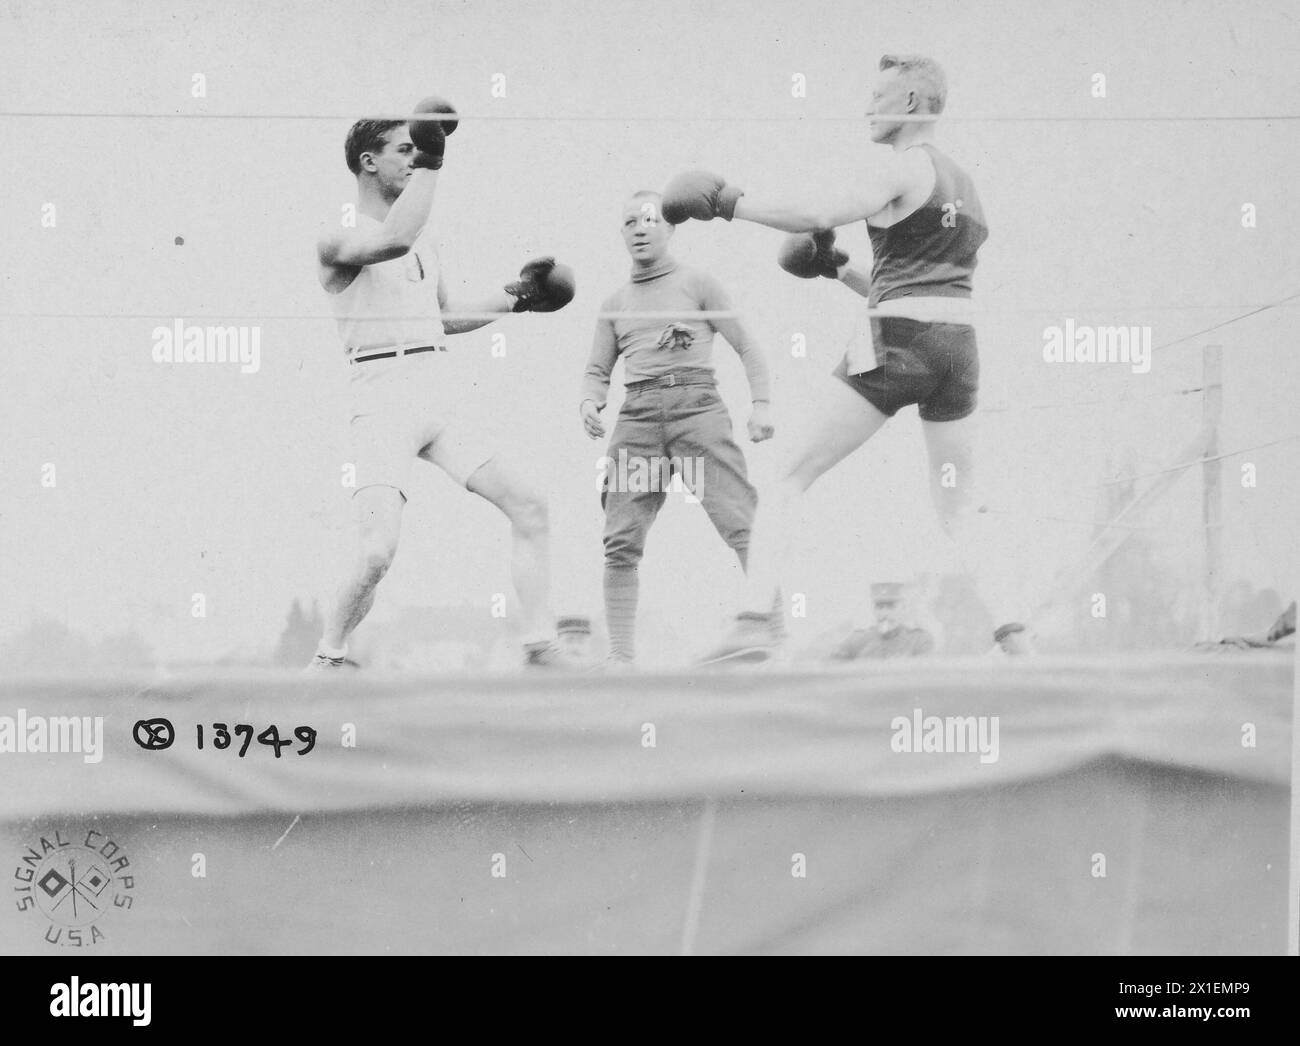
(405, 408)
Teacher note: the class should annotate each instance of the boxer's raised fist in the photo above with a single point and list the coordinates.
(430, 136)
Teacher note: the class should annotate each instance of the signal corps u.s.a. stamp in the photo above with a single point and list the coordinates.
(74, 882)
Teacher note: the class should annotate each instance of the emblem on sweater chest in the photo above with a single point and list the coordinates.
(676, 336)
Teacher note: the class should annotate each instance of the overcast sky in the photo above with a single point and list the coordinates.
(173, 480)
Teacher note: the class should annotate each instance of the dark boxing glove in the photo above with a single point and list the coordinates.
(699, 195)
(809, 255)
(430, 136)
(543, 286)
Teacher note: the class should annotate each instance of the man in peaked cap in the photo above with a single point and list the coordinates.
(888, 637)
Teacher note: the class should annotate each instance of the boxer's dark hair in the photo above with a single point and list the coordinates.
(367, 136)
(923, 73)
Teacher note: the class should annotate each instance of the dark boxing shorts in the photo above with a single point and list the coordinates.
(933, 365)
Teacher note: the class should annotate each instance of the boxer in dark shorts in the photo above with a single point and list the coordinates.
(926, 227)
(933, 365)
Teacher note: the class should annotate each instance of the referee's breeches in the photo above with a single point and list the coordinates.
(686, 430)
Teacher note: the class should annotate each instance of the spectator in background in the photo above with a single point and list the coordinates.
(888, 637)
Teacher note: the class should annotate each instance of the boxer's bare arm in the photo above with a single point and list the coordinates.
(462, 315)
(856, 280)
(893, 177)
(352, 248)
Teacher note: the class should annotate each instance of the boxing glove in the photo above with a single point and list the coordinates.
(543, 286)
(809, 255)
(699, 195)
(430, 136)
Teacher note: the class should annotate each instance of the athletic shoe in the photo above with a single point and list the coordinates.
(754, 637)
(549, 655)
(323, 663)
(1013, 640)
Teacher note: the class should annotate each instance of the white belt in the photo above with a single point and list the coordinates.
(862, 350)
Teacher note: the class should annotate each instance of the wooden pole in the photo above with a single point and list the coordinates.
(1212, 488)
(1114, 532)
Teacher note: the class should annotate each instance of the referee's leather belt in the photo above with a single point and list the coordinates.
(394, 353)
(668, 381)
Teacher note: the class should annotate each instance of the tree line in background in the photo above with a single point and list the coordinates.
(1149, 606)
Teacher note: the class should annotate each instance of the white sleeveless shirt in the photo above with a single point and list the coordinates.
(392, 304)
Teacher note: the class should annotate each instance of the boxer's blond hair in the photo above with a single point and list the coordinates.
(923, 74)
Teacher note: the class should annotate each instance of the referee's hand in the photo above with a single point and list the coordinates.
(591, 419)
(760, 424)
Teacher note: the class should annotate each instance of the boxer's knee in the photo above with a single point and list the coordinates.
(959, 519)
(529, 513)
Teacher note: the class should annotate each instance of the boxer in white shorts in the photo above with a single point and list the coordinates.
(388, 295)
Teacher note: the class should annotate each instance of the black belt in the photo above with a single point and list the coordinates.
(397, 352)
(668, 381)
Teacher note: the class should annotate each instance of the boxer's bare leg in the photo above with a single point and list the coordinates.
(530, 552)
(951, 449)
(840, 424)
(378, 511)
